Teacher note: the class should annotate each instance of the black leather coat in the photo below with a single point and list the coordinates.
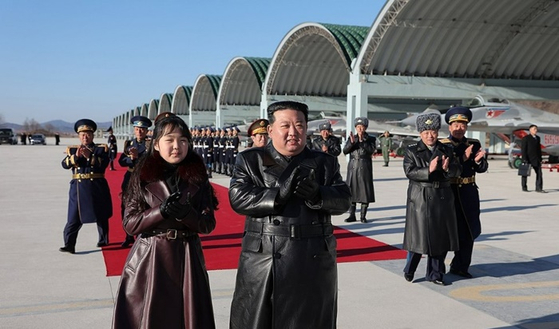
(431, 225)
(283, 281)
(360, 169)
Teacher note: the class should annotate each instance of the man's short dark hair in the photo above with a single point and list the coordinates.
(533, 126)
(287, 105)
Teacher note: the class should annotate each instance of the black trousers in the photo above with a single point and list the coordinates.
(435, 265)
(73, 226)
(539, 179)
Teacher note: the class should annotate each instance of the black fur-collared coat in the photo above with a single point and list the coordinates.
(164, 283)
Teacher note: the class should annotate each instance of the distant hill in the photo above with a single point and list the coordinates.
(60, 126)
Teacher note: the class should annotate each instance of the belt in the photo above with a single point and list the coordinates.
(432, 184)
(87, 176)
(170, 234)
(291, 231)
(463, 180)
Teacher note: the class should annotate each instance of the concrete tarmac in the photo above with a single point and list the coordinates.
(515, 263)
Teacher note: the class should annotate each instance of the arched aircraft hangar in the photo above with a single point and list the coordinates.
(417, 53)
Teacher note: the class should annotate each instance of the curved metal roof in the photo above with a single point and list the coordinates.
(153, 108)
(513, 39)
(204, 93)
(165, 102)
(181, 100)
(242, 81)
(315, 59)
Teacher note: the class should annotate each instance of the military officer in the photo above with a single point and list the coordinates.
(113, 149)
(327, 142)
(207, 150)
(466, 196)
(133, 150)
(258, 132)
(89, 196)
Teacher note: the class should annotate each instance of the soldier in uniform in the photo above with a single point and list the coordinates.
(360, 148)
(222, 144)
(113, 149)
(386, 144)
(228, 151)
(258, 132)
(327, 142)
(235, 142)
(133, 150)
(207, 144)
(215, 151)
(466, 196)
(89, 196)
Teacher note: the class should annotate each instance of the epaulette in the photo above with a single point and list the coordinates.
(105, 146)
(127, 143)
(445, 141)
(72, 147)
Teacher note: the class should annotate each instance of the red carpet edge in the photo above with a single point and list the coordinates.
(223, 246)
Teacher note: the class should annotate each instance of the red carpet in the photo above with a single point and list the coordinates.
(223, 246)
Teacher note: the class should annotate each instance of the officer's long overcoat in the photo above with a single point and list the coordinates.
(360, 169)
(285, 282)
(467, 195)
(431, 225)
(89, 199)
(164, 283)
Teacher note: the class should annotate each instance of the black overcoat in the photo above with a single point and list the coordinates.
(360, 169)
(467, 195)
(431, 226)
(285, 282)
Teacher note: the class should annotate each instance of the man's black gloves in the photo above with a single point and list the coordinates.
(286, 187)
(173, 208)
(307, 188)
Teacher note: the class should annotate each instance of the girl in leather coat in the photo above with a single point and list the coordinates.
(169, 201)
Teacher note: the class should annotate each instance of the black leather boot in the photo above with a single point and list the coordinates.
(351, 217)
(364, 207)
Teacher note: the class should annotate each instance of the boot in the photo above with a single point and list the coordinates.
(351, 217)
(128, 241)
(364, 207)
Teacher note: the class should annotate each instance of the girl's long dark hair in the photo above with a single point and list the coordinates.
(151, 165)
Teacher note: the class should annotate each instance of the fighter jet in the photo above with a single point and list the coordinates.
(504, 117)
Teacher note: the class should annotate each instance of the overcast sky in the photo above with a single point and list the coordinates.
(69, 59)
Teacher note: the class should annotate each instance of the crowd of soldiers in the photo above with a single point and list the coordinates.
(218, 147)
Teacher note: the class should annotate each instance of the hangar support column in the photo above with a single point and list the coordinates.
(357, 100)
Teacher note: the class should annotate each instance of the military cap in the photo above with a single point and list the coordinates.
(458, 113)
(141, 121)
(110, 129)
(361, 121)
(325, 126)
(85, 125)
(235, 128)
(258, 127)
(428, 121)
(160, 116)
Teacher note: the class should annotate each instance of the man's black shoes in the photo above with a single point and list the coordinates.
(408, 277)
(71, 250)
(439, 282)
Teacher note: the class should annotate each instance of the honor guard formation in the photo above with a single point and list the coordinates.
(218, 147)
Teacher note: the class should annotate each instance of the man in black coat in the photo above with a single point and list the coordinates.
(471, 156)
(287, 275)
(360, 148)
(532, 154)
(327, 142)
